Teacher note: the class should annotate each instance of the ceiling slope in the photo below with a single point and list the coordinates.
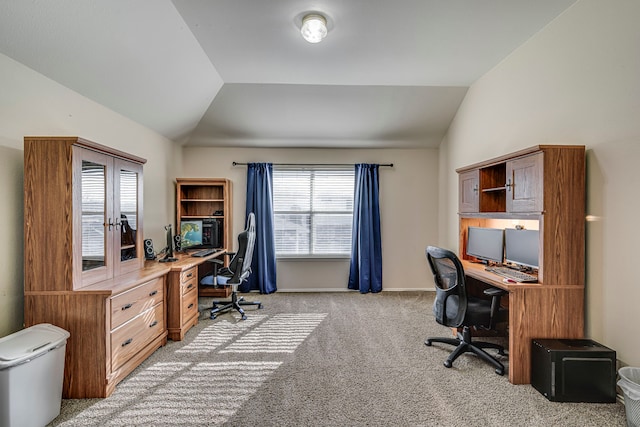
(238, 73)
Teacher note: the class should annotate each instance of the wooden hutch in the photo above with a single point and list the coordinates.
(84, 260)
(208, 200)
(542, 187)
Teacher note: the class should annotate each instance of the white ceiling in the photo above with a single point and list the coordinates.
(237, 72)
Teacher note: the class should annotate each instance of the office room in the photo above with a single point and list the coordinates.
(570, 81)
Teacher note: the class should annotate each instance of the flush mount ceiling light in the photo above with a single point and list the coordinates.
(314, 27)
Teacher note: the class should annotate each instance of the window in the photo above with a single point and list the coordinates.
(313, 211)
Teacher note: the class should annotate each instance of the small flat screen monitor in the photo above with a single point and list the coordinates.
(521, 247)
(486, 244)
(191, 234)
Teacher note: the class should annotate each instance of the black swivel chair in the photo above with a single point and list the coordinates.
(454, 308)
(238, 271)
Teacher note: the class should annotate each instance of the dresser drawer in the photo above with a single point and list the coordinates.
(131, 303)
(189, 274)
(189, 305)
(134, 335)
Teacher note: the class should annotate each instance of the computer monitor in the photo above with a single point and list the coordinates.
(168, 254)
(191, 234)
(521, 247)
(486, 244)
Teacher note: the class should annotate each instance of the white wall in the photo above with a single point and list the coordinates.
(408, 200)
(32, 104)
(575, 82)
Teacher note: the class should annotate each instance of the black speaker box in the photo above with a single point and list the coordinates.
(177, 243)
(149, 253)
(573, 370)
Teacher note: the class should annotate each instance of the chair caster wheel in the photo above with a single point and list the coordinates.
(447, 364)
(427, 343)
(259, 306)
(500, 371)
(213, 316)
(244, 317)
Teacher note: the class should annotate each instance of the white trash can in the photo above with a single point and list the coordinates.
(630, 384)
(31, 375)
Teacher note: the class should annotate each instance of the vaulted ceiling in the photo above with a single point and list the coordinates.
(238, 73)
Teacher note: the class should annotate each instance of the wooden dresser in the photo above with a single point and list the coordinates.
(84, 263)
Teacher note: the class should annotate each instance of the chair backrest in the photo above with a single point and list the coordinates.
(450, 305)
(240, 264)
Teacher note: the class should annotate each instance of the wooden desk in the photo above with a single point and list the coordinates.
(544, 187)
(535, 311)
(182, 292)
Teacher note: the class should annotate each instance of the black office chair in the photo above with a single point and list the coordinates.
(454, 308)
(238, 271)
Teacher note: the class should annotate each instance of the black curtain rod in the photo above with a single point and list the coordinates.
(390, 165)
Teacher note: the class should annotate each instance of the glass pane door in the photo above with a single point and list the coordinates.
(93, 215)
(128, 214)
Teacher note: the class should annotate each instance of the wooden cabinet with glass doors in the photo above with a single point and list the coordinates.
(107, 240)
(84, 260)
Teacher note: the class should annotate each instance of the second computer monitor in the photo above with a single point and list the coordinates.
(521, 247)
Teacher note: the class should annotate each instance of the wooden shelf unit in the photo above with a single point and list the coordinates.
(207, 199)
(544, 186)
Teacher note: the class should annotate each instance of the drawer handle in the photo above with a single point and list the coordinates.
(127, 342)
(189, 275)
(127, 306)
(154, 323)
(190, 305)
(152, 293)
(190, 286)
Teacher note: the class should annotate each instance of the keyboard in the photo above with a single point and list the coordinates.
(203, 253)
(510, 273)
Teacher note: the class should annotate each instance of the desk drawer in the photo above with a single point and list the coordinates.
(131, 303)
(131, 337)
(189, 285)
(189, 305)
(189, 274)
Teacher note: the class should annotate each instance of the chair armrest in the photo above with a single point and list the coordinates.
(494, 292)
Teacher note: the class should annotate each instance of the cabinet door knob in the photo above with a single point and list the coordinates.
(509, 185)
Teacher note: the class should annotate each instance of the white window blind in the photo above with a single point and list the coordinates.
(313, 211)
(129, 197)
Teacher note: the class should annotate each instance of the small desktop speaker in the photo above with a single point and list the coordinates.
(573, 370)
(149, 253)
(177, 243)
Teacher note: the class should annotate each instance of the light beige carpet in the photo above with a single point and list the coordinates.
(324, 359)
